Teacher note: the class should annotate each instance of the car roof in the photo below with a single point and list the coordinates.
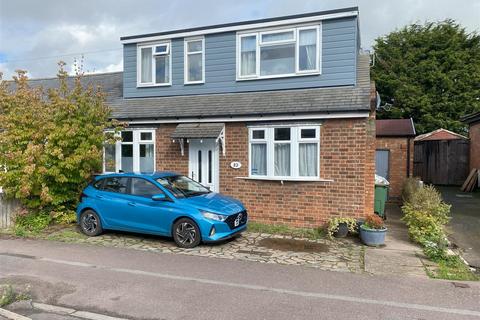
(152, 175)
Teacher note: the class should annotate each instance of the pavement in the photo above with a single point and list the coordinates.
(136, 284)
(399, 256)
(464, 227)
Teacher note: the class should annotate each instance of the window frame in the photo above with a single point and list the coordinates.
(137, 141)
(185, 60)
(296, 40)
(295, 141)
(154, 62)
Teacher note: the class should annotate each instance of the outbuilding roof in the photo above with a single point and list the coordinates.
(395, 128)
(471, 118)
(440, 134)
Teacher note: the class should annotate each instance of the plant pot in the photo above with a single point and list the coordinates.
(342, 230)
(372, 237)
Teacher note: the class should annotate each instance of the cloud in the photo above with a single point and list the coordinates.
(35, 35)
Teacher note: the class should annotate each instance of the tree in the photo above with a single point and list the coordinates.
(429, 72)
(51, 142)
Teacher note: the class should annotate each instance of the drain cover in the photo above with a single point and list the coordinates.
(460, 285)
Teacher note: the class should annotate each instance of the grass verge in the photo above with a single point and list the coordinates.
(452, 268)
(313, 234)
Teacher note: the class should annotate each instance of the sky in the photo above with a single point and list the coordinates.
(35, 35)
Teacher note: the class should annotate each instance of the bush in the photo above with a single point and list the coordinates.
(333, 225)
(410, 187)
(425, 214)
(50, 143)
(31, 222)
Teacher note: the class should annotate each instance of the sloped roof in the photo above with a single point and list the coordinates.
(197, 130)
(395, 128)
(440, 134)
(280, 102)
(301, 101)
(471, 118)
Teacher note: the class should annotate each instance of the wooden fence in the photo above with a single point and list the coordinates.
(443, 162)
(7, 210)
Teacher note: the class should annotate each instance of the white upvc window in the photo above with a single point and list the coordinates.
(133, 152)
(284, 152)
(279, 53)
(194, 64)
(154, 64)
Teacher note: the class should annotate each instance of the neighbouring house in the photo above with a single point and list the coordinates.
(394, 152)
(473, 121)
(441, 157)
(275, 112)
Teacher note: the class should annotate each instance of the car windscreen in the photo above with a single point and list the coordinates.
(182, 187)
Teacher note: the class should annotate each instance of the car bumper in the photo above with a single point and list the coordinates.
(225, 235)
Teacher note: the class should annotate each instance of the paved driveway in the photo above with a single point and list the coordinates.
(465, 223)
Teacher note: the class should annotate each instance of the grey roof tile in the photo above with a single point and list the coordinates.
(296, 101)
(197, 130)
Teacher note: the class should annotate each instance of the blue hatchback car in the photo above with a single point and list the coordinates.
(162, 203)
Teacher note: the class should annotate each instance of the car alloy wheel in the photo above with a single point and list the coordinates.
(90, 223)
(186, 233)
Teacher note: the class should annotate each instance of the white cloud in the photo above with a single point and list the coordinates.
(55, 29)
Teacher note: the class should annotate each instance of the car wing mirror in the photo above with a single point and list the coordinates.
(160, 197)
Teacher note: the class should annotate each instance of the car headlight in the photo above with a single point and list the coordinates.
(213, 216)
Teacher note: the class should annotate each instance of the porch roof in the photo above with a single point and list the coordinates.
(198, 130)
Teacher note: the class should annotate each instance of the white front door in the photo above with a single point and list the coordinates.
(203, 162)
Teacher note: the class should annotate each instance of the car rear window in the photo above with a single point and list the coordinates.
(115, 184)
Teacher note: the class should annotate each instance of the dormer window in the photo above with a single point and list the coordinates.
(278, 53)
(154, 62)
(194, 61)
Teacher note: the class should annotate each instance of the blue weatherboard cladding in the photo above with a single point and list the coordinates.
(339, 55)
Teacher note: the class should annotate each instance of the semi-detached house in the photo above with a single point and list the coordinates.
(276, 112)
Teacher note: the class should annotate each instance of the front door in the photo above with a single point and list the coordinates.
(203, 162)
(382, 158)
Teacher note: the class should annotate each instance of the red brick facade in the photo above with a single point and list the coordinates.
(347, 156)
(474, 135)
(398, 147)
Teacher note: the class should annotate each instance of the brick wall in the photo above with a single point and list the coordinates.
(474, 134)
(169, 157)
(397, 162)
(346, 156)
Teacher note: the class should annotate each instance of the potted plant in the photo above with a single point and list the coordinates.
(339, 227)
(373, 230)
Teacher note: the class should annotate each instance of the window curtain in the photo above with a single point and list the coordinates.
(308, 49)
(146, 67)
(195, 67)
(248, 56)
(162, 69)
(282, 159)
(259, 159)
(308, 159)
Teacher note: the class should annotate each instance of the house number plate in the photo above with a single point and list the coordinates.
(236, 164)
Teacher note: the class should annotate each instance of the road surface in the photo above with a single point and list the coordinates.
(142, 285)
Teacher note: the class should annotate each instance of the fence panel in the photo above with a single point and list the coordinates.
(7, 210)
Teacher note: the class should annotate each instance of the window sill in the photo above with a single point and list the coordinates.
(154, 85)
(193, 83)
(300, 179)
(303, 74)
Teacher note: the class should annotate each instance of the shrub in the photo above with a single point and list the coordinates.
(333, 225)
(50, 143)
(31, 222)
(425, 214)
(374, 222)
(410, 187)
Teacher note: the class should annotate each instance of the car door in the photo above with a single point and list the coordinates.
(112, 202)
(145, 214)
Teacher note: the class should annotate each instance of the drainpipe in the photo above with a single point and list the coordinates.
(408, 157)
